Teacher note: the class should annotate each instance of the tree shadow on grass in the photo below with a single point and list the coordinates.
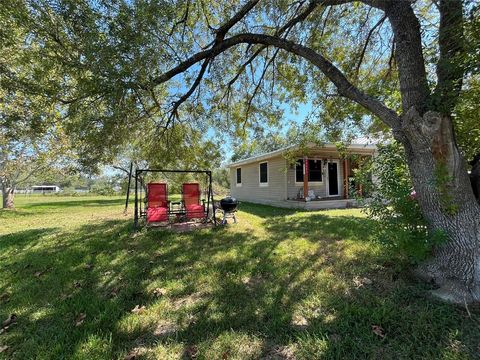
(84, 202)
(325, 287)
(21, 239)
(11, 214)
(226, 289)
(265, 211)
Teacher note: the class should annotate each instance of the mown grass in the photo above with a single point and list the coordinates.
(281, 284)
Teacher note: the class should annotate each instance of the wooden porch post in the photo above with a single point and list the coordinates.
(305, 177)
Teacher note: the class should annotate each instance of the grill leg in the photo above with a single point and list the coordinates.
(224, 221)
(234, 218)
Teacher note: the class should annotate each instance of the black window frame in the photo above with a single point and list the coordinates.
(238, 172)
(264, 183)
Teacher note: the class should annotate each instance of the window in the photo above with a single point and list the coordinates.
(239, 176)
(264, 173)
(299, 171)
(314, 170)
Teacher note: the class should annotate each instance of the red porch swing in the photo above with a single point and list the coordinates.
(156, 208)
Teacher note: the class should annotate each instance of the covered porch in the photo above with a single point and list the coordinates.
(323, 180)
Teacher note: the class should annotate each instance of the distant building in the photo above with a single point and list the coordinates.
(82, 190)
(44, 189)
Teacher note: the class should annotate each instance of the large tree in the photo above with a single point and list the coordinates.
(230, 65)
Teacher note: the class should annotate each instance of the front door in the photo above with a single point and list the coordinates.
(332, 179)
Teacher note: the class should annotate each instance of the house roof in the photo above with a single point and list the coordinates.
(358, 144)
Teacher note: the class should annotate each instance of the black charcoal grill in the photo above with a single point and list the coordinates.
(228, 206)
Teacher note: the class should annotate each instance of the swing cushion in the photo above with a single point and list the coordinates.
(157, 202)
(191, 200)
(157, 214)
(195, 211)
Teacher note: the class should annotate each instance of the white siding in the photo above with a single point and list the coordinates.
(251, 189)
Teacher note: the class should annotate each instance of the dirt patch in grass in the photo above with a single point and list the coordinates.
(165, 328)
(182, 227)
(189, 300)
(280, 352)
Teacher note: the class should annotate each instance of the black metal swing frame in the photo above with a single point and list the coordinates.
(141, 212)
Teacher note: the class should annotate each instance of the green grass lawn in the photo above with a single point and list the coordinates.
(280, 284)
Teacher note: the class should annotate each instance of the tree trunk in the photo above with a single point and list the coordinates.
(8, 194)
(446, 198)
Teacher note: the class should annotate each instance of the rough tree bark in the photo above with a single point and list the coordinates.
(445, 195)
(437, 167)
(8, 194)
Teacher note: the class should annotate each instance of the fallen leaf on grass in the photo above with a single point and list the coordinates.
(77, 284)
(39, 273)
(4, 348)
(80, 319)
(378, 330)
(138, 309)
(89, 266)
(10, 320)
(159, 292)
(191, 352)
(359, 282)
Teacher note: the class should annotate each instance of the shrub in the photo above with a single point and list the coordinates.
(393, 204)
(102, 188)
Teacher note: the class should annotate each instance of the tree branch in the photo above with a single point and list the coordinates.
(183, 20)
(222, 30)
(364, 49)
(345, 88)
(257, 87)
(281, 31)
(118, 167)
(184, 97)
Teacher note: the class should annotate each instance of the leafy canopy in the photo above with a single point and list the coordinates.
(110, 59)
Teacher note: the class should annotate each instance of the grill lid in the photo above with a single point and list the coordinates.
(228, 204)
(229, 200)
